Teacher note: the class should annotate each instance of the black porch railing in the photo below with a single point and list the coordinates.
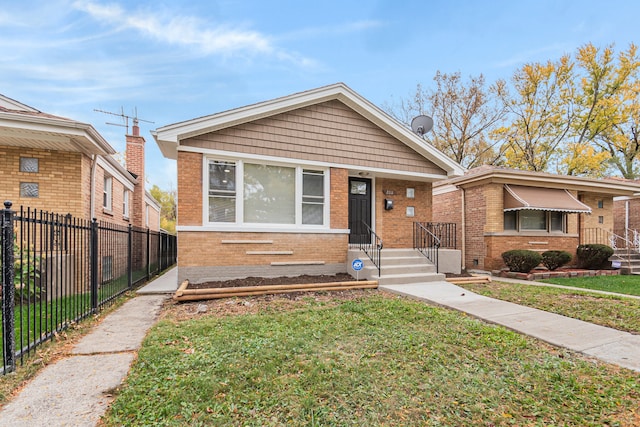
(446, 232)
(57, 270)
(372, 246)
(427, 243)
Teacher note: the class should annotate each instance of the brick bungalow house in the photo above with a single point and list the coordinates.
(64, 166)
(497, 209)
(283, 187)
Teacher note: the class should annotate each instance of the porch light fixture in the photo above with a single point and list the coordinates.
(363, 174)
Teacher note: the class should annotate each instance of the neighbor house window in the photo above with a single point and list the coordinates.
(125, 203)
(29, 189)
(253, 193)
(535, 220)
(29, 164)
(107, 192)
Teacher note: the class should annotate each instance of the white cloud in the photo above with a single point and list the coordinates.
(189, 31)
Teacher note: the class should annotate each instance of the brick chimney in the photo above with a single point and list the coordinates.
(135, 165)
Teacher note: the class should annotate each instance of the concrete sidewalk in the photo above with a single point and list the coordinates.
(609, 345)
(76, 391)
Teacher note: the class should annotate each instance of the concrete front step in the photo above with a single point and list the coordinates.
(399, 266)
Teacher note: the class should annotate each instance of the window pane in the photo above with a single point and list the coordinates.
(29, 189)
(312, 214)
(533, 220)
(222, 209)
(312, 197)
(28, 164)
(269, 194)
(222, 177)
(557, 221)
(222, 191)
(510, 220)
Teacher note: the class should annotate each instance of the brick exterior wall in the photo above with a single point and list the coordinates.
(190, 188)
(339, 197)
(475, 222)
(206, 256)
(116, 213)
(394, 226)
(58, 176)
(620, 216)
(447, 208)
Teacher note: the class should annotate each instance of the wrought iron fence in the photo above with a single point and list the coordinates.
(57, 270)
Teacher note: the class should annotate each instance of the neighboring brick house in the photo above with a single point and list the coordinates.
(498, 209)
(282, 187)
(63, 166)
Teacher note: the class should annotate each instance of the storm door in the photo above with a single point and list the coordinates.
(359, 210)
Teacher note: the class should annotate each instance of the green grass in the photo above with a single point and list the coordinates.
(623, 284)
(373, 361)
(606, 310)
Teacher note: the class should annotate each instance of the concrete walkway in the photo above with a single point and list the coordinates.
(76, 391)
(609, 345)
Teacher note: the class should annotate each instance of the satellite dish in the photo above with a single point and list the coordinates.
(421, 124)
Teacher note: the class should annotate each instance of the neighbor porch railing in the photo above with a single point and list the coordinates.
(606, 237)
(427, 243)
(372, 246)
(446, 232)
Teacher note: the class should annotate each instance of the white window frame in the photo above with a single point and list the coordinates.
(239, 223)
(547, 229)
(107, 193)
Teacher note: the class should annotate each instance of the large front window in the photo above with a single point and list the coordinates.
(253, 193)
(535, 220)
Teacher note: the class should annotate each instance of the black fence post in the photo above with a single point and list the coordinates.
(94, 265)
(130, 257)
(8, 289)
(148, 253)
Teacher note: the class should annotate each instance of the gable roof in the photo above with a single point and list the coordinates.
(169, 137)
(24, 126)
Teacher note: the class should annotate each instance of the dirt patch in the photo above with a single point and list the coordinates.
(265, 281)
(238, 306)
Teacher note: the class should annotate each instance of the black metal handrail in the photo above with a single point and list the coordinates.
(427, 243)
(372, 247)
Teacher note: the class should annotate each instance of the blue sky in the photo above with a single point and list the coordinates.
(178, 60)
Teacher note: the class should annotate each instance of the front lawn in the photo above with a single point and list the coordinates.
(606, 310)
(368, 360)
(623, 284)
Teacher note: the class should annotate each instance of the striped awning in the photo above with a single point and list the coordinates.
(518, 197)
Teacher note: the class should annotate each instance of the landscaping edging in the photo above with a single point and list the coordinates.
(558, 273)
(185, 294)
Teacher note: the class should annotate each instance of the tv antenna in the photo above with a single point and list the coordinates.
(421, 124)
(125, 118)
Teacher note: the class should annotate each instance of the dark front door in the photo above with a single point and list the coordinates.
(359, 209)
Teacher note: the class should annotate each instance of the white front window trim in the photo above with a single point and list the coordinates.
(304, 202)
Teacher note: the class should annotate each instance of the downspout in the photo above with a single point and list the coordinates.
(92, 187)
(463, 231)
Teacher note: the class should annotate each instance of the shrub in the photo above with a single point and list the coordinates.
(593, 256)
(554, 259)
(521, 260)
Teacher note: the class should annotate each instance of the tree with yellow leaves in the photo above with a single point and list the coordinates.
(539, 113)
